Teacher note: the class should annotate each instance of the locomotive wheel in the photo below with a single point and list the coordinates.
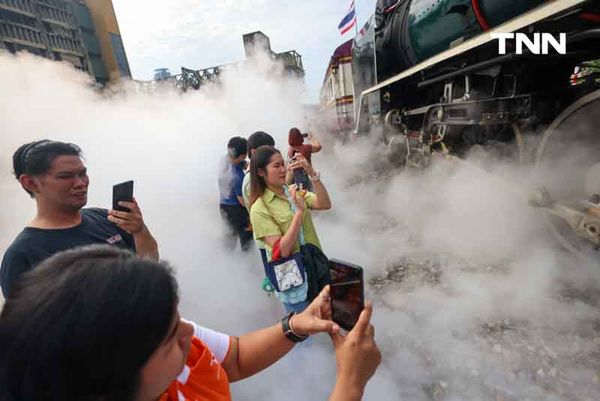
(568, 167)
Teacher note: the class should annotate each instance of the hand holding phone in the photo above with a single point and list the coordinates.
(122, 192)
(299, 176)
(357, 356)
(347, 293)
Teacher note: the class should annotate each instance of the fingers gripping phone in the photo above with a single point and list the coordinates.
(298, 173)
(299, 177)
(122, 192)
(347, 293)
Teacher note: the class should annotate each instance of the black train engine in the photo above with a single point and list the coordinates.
(430, 77)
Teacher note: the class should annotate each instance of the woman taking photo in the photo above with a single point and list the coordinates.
(296, 142)
(280, 215)
(297, 145)
(100, 324)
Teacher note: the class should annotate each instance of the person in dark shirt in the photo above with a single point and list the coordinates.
(53, 174)
(231, 201)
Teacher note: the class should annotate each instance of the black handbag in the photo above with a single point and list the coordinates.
(316, 265)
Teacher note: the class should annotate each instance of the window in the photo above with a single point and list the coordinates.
(119, 53)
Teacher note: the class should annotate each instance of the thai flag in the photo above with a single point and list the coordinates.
(348, 21)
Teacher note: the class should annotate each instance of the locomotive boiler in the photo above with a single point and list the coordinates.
(429, 78)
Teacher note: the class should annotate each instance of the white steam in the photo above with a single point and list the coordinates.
(473, 299)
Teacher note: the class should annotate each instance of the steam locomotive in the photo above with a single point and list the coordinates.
(430, 78)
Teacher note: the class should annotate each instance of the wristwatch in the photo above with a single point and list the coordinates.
(288, 332)
(315, 177)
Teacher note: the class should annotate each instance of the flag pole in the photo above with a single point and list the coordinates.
(356, 17)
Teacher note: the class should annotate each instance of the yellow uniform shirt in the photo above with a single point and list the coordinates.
(264, 224)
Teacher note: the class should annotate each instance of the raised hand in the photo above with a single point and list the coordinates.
(297, 197)
(357, 355)
(316, 318)
(132, 221)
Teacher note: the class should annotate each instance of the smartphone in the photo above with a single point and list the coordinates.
(347, 293)
(299, 177)
(122, 192)
(297, 172)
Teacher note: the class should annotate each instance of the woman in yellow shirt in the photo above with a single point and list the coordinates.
(280, 216)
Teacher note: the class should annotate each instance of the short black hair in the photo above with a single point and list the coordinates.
(237, 146)
(260, 138)
(35, 158)
(82, 325)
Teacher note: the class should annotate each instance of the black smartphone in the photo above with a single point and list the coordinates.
(299, 177)
(347, 293)
(297, 172)
(122, 192)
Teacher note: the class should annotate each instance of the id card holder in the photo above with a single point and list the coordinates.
(288, 274)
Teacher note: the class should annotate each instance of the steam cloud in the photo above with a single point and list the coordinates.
(473, 299)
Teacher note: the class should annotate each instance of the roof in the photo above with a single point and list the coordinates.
(341, 54)
(344, 50)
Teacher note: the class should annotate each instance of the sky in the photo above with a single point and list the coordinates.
(205, 33)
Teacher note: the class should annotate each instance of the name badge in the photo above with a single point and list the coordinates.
(114, 239)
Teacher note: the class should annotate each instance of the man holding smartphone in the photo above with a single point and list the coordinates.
(53, 174)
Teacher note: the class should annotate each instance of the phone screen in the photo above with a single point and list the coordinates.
(299, 177)
(122, 192)
(347, 293)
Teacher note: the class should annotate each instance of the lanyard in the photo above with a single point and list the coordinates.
(293, 209)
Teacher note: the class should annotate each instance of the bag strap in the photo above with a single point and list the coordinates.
(293, 209)
(276, 254)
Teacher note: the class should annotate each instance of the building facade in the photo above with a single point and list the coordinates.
(109, 36)
(85, 35)
(255, 43)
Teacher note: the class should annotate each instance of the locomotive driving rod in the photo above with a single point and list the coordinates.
(584, 224)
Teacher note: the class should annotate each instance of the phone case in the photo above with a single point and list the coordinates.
(122, 192)
(342, 316)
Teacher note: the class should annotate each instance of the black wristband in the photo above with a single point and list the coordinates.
(288, 332)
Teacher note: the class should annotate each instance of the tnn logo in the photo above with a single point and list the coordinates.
(539, 45)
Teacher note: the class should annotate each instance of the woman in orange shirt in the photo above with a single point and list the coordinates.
(99, 324)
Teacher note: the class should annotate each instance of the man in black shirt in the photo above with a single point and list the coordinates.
(54, 175)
